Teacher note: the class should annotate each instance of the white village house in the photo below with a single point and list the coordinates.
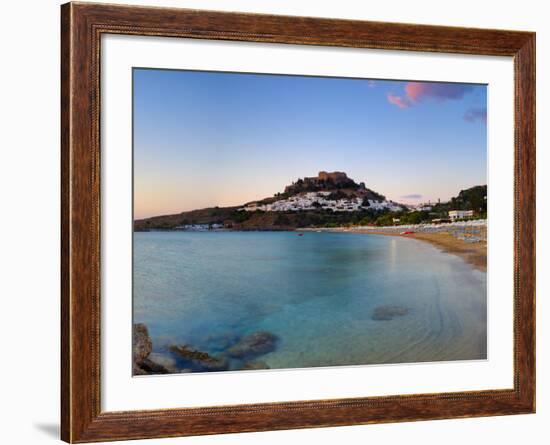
(460, 214)
(320, 200)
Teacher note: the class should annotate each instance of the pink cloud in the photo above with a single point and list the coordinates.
(417, 91)
(401, 102)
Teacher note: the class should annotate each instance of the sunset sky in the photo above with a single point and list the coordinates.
(204, 139)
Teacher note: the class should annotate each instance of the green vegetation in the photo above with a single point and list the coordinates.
(385, 220)
(240, 216)
(474, 198)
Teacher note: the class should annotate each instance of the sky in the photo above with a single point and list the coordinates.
(204, 139)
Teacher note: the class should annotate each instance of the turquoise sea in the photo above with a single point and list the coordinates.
(316, 293)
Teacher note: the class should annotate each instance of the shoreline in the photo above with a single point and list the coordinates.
(464, 239)
(473, 254)
(467, 241)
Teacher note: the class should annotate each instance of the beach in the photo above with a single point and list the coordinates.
(467, 239)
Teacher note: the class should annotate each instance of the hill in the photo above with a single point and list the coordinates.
(328, 198)
(474, 198)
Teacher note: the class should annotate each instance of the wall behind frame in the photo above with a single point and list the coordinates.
(29, 235)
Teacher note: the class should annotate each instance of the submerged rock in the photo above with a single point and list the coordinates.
(222, 342)
(253, 345)
(201, 361)
(388, 312)
(166, 361)
(255, 365)
(150, 367)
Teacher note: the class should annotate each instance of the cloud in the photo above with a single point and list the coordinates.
(401, 102)
(418, 91)
(475, 115)
(412, 196)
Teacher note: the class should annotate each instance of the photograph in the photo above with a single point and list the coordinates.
(291, 221)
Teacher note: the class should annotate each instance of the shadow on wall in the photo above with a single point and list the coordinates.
(49, 429)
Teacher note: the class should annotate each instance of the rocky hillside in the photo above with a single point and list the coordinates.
(328, 198)
(330, 191)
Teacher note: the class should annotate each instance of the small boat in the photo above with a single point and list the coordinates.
(300, 234)
(408, 232)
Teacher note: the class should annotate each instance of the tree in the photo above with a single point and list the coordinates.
(416, 217)
(385, 220)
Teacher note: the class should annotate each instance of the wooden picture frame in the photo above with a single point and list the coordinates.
(82, 25)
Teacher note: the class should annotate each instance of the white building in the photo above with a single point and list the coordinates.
(423, 208)
(319, 200)
(460, 214)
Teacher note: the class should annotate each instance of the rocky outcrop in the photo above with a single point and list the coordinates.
(388, 312)
(225, 352)
(233, 352)
(253, 345)
(142, 343)
(323, 181)
(142, 346)
(199, 360)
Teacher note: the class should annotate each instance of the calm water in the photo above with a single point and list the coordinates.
(316, 292)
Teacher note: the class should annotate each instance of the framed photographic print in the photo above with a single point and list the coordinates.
(275, 222)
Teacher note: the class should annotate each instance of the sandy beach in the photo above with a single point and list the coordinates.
(467, 239)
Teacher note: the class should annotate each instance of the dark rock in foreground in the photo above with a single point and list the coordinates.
(388, 312)
(236, 353)
(142, 343)
(142, 347)
(253, 345)
(201, 361)
(150, 367)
